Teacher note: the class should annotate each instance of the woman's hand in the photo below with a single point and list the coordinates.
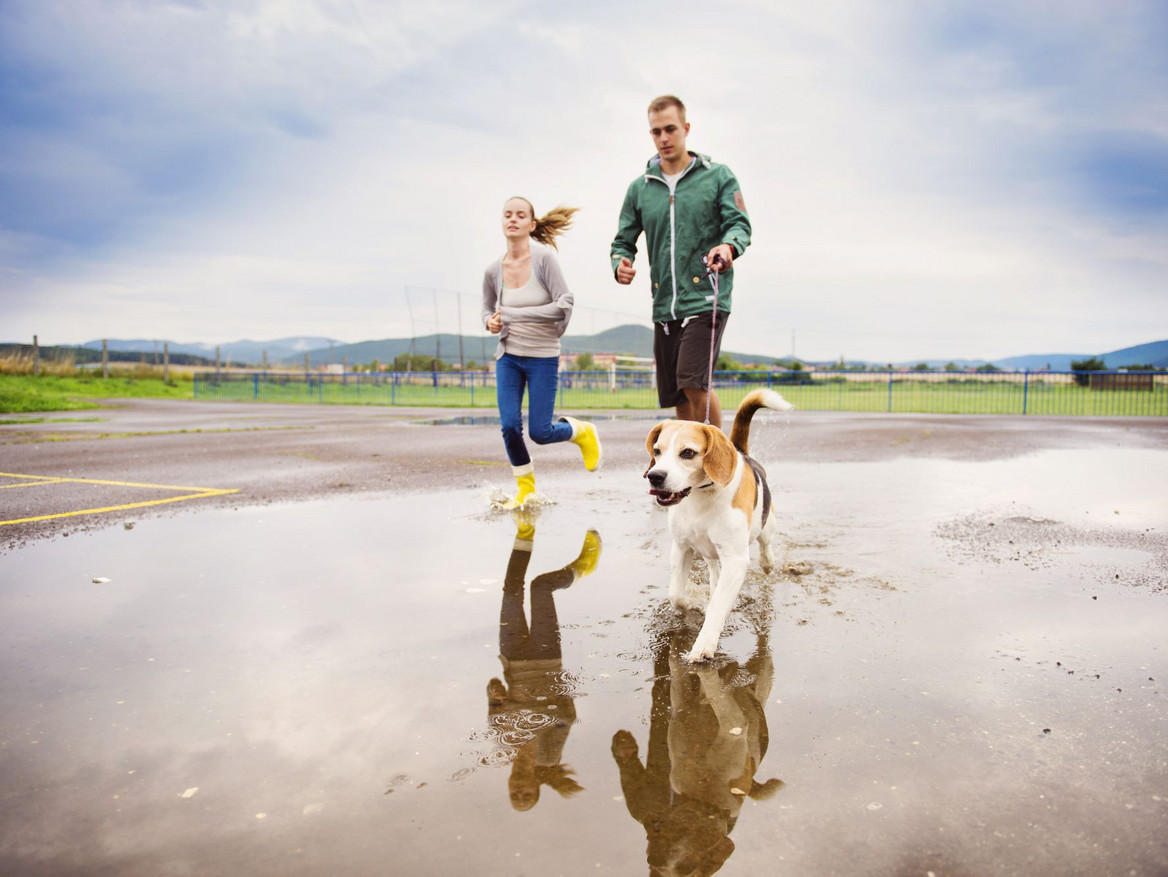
(495, 321)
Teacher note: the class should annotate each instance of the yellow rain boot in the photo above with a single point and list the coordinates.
(584, 435)
(524, 530)
(589, 555)
(525, 478)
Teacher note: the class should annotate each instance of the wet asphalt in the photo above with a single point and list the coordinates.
(350, 663)
(281, 453)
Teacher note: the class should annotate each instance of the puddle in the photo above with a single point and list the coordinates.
(417, 685)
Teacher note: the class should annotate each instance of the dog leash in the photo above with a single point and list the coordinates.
(712, 275)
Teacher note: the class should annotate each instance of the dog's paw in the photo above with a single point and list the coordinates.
(702, 651)
(766, 559)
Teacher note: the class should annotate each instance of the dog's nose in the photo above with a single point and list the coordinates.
(656, 477)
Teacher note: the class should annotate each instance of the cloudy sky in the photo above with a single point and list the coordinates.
(926, 179)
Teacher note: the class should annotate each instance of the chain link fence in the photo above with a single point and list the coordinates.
(1095, 394)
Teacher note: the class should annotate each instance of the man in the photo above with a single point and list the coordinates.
(689, 208)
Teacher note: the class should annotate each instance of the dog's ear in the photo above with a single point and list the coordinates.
(649, 442)
(720, 456)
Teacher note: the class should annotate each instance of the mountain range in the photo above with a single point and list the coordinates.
(634, 340)
(248, 352)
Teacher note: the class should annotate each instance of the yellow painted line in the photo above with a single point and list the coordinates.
(32, 477)
(193, 493)
(118, 508)
(111, 483)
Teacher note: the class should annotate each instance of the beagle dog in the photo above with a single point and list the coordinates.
(719, 502)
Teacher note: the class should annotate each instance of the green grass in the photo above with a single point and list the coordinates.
(23, 394)
(956, 396)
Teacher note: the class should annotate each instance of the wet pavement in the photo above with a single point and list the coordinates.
(957, 669)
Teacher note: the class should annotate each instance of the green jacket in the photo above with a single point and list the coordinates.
(708, 211)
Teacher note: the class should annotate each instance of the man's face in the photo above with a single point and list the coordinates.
(668, 132)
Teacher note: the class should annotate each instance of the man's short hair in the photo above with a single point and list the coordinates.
(664, 102)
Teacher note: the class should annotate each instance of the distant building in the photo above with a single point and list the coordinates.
(601, 361)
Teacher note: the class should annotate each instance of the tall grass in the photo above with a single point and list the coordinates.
(24, 363)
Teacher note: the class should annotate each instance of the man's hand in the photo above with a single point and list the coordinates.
(625, 272)
(726, 254)
(495, 322)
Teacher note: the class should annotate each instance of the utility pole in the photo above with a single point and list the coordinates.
(458, 306)
(437, 330)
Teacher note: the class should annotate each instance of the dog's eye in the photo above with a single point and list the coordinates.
(688, 454)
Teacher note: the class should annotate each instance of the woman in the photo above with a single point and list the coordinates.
(526, 302)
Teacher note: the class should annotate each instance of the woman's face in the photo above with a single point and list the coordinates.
(517, 219)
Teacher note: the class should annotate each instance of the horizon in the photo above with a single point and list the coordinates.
(332, 344)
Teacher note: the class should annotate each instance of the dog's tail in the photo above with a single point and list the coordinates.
(755, 399)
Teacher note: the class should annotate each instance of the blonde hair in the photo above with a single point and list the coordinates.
(665, 102)
(552, 224)
(525, 795)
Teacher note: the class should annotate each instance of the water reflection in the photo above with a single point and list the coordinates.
(532, 708)
(707, 738)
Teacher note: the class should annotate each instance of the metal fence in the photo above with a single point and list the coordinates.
(1098, 394)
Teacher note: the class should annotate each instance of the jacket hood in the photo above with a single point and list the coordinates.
(653, 165)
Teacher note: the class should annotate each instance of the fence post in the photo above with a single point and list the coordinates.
(36, 357)
(166, 362)
(255, 393)
(1025, 389)
(890, 373)
(104, 358)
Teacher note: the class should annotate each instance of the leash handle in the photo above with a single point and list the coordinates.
(712, 275)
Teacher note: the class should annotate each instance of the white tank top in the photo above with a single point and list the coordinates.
(530, 339)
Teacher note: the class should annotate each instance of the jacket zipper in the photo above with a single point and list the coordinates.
(673, 235)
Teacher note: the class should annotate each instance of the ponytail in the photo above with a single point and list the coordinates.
(552, 224)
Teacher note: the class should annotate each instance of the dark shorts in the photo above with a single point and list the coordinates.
(683, 355)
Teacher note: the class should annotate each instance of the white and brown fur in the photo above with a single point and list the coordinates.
(719, 502)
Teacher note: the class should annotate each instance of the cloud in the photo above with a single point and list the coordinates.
(957, 180)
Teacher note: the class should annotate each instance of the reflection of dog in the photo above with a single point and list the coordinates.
(718, 503)
(707, 737)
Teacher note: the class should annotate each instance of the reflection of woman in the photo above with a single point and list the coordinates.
(532, 710)
(527, 303)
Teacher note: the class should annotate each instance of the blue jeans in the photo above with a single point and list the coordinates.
(539, 375)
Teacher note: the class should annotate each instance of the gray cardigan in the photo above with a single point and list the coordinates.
(554, 315)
